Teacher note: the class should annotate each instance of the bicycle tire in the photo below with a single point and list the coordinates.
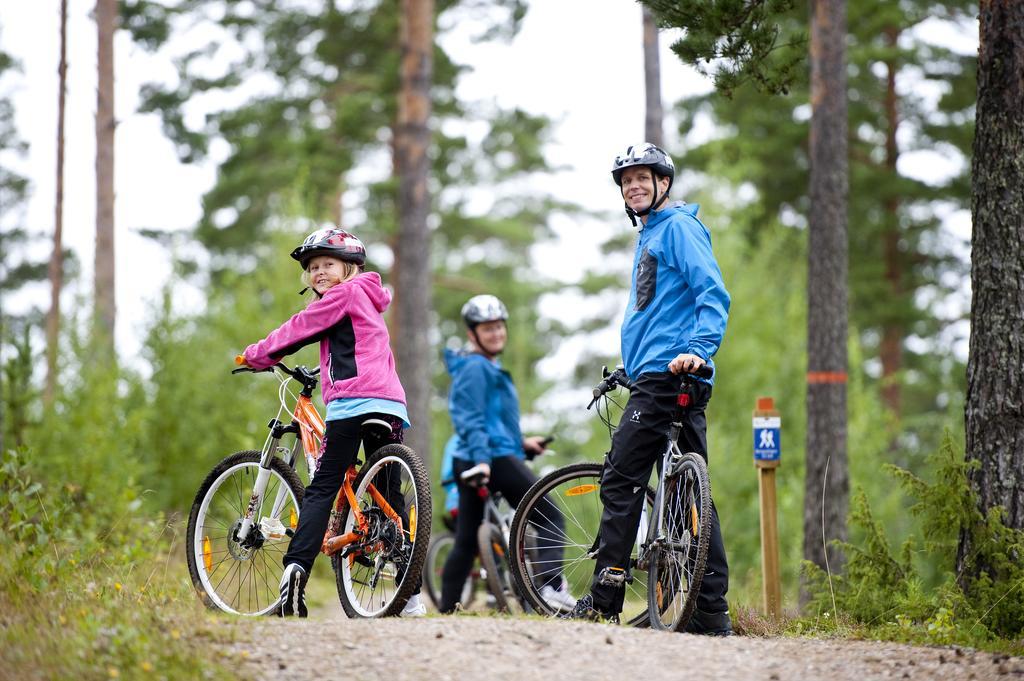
(437, 554)
(585, 478)
(215, 582)
(494, 561)
(416, 494)
(675, 574)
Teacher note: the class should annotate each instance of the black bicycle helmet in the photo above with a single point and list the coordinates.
(483, 308)
(645, 154)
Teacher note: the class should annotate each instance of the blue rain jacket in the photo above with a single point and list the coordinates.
(677, 299)
(484, 407)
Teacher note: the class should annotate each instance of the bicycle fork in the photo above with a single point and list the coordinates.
(274, 528)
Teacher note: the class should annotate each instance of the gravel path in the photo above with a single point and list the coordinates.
(529, 649)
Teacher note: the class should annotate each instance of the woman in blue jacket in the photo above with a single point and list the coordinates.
(484, 407)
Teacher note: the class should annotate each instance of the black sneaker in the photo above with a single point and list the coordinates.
(710, 624)
(585, 610)
(293, 592)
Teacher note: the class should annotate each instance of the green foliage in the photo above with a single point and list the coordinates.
(890, 592)
(736, 41)
(85, 589)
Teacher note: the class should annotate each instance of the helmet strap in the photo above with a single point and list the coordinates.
(480, 346)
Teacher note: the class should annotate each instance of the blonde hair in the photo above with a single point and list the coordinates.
(349, 270)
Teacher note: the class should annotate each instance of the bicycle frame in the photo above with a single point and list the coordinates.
(308, 427)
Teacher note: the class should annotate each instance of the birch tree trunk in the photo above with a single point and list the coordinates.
(105, 303)
(55, 270)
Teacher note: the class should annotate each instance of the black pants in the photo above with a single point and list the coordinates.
(512, 477)
(638, 443)
(341, 445)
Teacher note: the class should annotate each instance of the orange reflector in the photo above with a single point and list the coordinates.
(293, 518)
(412, 523)
(694, 520)
(497, 549)
(580, 490)
(207, 555)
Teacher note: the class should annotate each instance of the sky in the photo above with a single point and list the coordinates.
(579, 62)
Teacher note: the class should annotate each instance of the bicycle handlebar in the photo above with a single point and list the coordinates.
(619, 378)
(307, 377)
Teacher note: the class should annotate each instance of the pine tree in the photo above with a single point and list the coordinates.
(994, 419)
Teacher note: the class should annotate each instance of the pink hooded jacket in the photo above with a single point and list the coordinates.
(355, 349)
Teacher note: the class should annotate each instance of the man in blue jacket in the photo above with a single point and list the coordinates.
(674, 323)
(484, 408)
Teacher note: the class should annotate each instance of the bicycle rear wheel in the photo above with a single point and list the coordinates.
(377, 574)
(437, 554)
(539, 556)
(241, 578)
(678, 559)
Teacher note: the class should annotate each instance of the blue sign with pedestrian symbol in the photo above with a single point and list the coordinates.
(767, 433)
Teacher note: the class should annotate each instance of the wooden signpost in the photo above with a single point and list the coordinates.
(767, 457)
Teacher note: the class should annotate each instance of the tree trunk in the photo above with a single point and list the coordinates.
(56, 266)
(413, 351)
(654, 119)
(994, 413)
(825, 518)
(891, 347)
(105, 310)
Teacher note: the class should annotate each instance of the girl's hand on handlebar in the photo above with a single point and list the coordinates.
(685, 363)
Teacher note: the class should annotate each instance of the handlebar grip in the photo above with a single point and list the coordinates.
(704, 371)
(240, 360)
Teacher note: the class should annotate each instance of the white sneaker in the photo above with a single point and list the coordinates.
(559, 599)
(414, 608)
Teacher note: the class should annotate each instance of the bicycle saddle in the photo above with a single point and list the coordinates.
(377, 427)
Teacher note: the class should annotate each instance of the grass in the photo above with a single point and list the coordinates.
(107, 611)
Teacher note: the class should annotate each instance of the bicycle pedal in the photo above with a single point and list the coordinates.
(612, 576)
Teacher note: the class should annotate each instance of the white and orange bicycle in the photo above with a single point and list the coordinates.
(247, 509)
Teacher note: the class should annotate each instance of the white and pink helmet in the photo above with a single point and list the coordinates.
(332, 241)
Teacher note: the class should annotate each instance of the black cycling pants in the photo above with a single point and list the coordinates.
(512, 477)
(341, 444)
(637, 445)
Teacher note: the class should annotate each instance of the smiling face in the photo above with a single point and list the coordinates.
(638, 187)
(325, 272)
(490, 337)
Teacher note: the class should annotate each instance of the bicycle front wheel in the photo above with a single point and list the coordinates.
(679, 556)
(241, 577)
(554, 540)
(378, 573)
(494, 560)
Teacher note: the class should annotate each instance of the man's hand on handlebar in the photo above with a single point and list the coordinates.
(685, 363)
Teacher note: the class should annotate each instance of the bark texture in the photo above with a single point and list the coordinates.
(994, 412)
(55, 269)
(106, 309)
(893, 331)
(655, 114)
(413, 351)
(827, 289)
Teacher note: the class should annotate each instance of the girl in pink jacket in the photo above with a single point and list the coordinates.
(357, 378)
